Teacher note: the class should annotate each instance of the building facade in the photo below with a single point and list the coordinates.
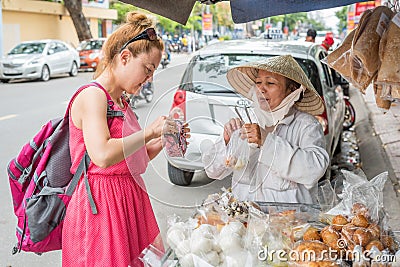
(24, 20)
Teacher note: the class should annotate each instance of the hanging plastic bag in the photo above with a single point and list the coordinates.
(365, 46)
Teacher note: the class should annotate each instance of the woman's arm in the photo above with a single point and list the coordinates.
(88, 113)
(154, 147)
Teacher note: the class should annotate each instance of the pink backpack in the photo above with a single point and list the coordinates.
(42, 184)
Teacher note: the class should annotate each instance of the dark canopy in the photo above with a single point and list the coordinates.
(242, 10)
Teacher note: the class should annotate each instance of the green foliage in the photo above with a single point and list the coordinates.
(342, 16)
(122, 9)
(291, 20)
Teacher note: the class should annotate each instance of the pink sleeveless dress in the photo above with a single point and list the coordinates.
(125, 223)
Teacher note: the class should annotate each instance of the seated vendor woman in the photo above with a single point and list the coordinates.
(285, 147)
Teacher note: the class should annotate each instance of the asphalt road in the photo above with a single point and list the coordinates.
(26, 106)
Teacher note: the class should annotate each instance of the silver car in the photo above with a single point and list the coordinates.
(39, 60)
(206, 101)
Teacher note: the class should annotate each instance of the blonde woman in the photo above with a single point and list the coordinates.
(124, 223)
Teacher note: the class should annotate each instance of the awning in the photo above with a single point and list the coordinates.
(242, 10)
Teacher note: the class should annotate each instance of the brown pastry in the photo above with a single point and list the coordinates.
(318, 247)
(338, 221)
(322, 264)
(330, 237)
(359, 208)
(389, 243)
(211, 218)
(362, 237)
(375, 243)
(348, 230)
(311, 234)
(360, 221)
(375, 230)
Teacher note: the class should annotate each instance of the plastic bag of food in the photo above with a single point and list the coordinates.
(339, 59)
(154, 255)
(357, 189)
(389, 71)
(238, 152)
(365, 45)
(175, 143)
(383, 98)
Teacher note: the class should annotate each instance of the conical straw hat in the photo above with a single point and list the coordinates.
(242, 79)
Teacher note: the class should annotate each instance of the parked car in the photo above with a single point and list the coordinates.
(39, 60)
(89, 53)
(206, 101)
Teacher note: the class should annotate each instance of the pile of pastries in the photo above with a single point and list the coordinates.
(347, 234)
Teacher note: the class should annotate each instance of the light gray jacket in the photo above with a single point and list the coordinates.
(285, 169)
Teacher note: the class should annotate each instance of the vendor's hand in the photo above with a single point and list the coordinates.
(231, 126)
(186, 132)
(252, 132)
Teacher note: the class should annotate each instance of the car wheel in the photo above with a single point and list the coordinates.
(45, 74)
(349, 115)
(74, 69)
(4, 80)
(178, 176)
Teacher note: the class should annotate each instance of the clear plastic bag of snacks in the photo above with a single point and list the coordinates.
(175, 143)
(238, 152)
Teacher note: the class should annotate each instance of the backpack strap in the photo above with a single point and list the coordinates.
(85, 161)
(110, 102)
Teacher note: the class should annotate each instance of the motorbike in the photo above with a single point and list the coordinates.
(146, 93)
(350, 112)
(164, 60)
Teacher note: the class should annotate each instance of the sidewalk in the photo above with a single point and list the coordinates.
(386, 129)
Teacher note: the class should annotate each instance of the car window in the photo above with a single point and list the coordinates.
(61, 47)
(327, 71)
(203, 72)
(311, 70)
(28, 48)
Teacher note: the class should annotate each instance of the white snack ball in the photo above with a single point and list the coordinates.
(177, 226)
(174, 237)
(237, 259)
(187, 260)
(212, 258)
(201, 245)
(233, 228)
(183, 248)
(204, 230)
(230, 243)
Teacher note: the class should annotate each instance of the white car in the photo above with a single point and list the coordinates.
(206, 101)
(39, 59)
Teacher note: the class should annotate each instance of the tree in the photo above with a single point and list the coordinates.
(82, 28)
(342, 16)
